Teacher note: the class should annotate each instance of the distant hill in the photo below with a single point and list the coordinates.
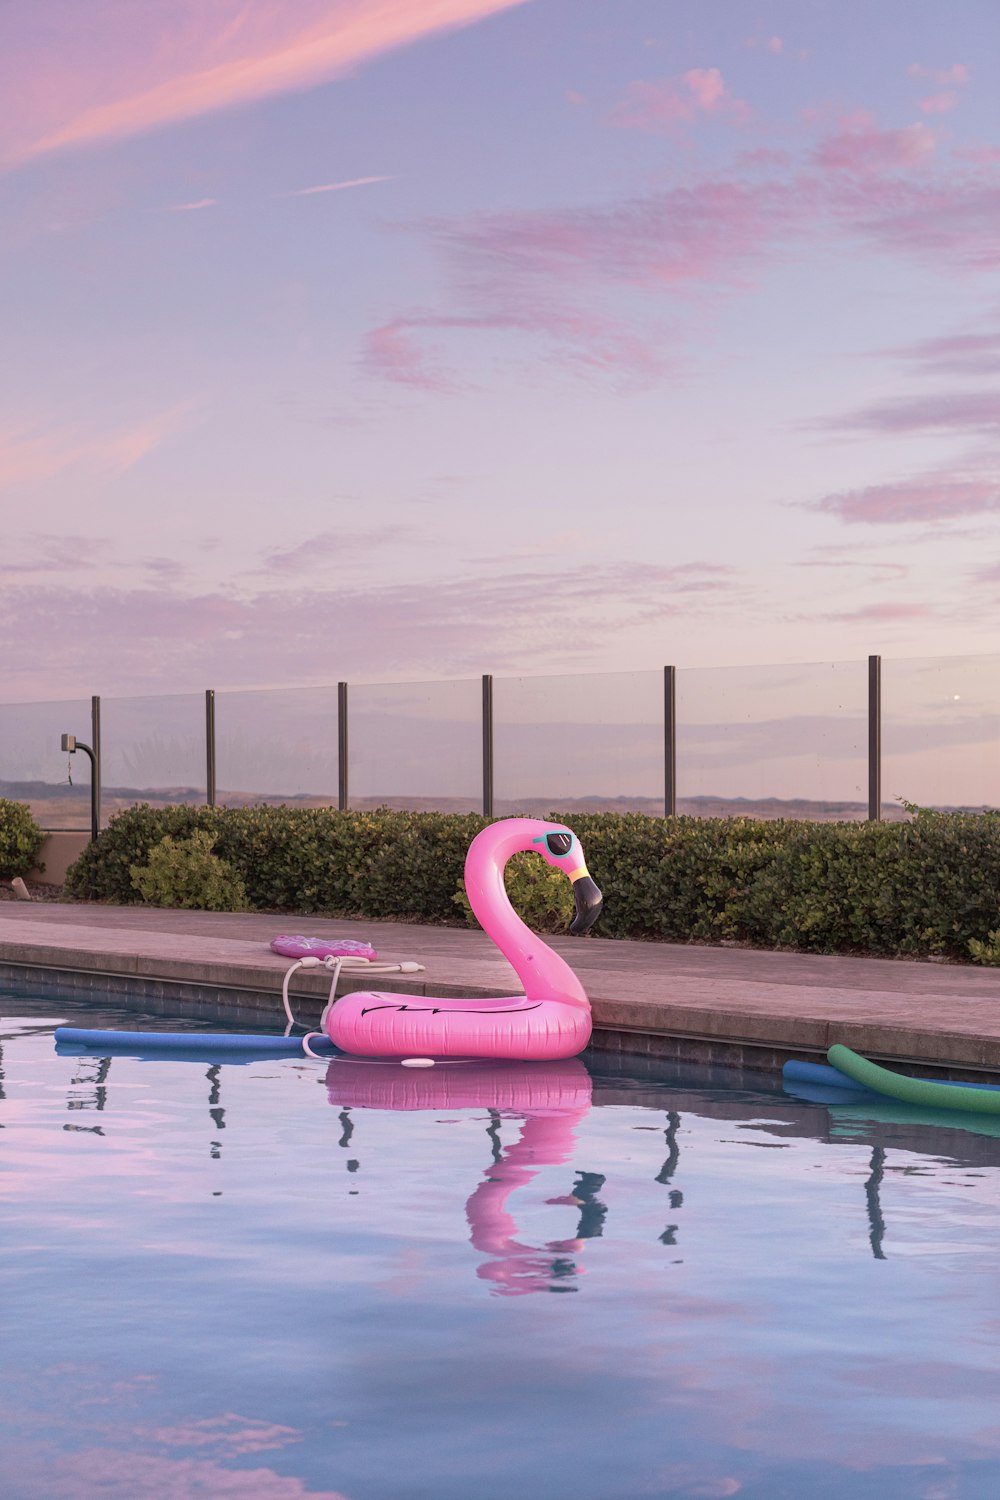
(52, 803)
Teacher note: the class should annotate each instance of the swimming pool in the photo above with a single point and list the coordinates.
(286, 1279)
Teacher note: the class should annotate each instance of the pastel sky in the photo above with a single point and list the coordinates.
(389, 339)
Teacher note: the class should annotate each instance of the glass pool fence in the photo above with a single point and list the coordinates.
(831, 741)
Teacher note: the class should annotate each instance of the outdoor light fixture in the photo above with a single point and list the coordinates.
(71, 744)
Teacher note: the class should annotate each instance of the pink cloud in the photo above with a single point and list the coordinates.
(231, 1435)
(939, 104)
(712, 230)
(859, 148)
(954, 223)
(536, 272)
(212, 63)
(885, 613)
(662, 106)
(187, 208)
(833, 556)
(982, 156)
(949, 411)
(55, 554)
(112, 1474)
(337, 187)
(331, 546)
(918, 500)
(955, 354)
(128, 639)
(391, 353)
(587, 342)
(773, 44)
(957, 73)
(32, 456)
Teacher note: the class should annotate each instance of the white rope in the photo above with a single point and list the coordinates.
(348, 961)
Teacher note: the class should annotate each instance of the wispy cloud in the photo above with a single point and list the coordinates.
(696, 94)
(392, 353)
(860, 148)
(33, 455)
(53, 554)
(585, 341)
(954, 354)
(336, 187)
(827, 555)
(938, 104)
(231, 1435)
(328, 548)
(187, 208)
(138, 636)
(886, 613)
(714, 231)
(949, 222)
(929, 499)
(975, 412)
(540, 271)
(956, 73)
(106, 1473)
(215, 64)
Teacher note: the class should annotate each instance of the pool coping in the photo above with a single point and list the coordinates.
(707, 1005)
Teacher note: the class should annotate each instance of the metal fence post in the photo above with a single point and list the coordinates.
(669, 742)
(95, 769)
(874, 739)
(342, 746)
(210, 746)
(487, 746)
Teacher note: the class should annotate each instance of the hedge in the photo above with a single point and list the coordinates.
(930, 886)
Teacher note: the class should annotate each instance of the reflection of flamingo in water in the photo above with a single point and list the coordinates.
(551, 1099)
(550, 1020)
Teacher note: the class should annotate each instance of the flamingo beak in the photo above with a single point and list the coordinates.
(589, 902)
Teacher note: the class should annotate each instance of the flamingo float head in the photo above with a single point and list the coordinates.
(560, 848)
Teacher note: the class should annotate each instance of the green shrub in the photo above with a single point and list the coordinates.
(540, 895)
(186, 873)
(20, 839)
(929, 886)
(103, 870)
(987, 952)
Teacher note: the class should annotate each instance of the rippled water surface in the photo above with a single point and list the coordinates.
(286, 1279)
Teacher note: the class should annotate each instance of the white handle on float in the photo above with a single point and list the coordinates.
(350, 961)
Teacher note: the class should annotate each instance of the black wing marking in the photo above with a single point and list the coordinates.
(437, 1010)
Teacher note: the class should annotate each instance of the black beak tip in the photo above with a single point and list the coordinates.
(589, 902)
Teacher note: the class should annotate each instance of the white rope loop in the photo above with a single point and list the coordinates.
(349, 961)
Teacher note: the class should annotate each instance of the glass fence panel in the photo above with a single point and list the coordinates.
(941, 731)
(34, 770)
(276, 745)
(417, 745)
(773, 741)
(593, 742)
(152, 750)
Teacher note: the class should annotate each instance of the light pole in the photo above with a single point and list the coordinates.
(71, 744)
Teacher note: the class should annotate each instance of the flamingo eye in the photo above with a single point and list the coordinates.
(559, 843)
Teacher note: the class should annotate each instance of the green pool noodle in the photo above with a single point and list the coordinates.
(912, 1090)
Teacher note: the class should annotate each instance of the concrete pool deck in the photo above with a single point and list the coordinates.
(711, 1003)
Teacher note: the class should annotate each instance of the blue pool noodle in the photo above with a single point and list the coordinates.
(191, 1041)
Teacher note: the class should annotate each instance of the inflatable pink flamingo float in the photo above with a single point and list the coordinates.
(550, 1020)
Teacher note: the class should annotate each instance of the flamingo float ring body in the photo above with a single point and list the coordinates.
(550, 1020)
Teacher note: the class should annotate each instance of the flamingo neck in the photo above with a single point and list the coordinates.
(543, 974)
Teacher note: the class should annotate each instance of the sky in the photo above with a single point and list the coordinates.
(412, 339)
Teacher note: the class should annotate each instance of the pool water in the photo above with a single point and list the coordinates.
(344, 1281)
